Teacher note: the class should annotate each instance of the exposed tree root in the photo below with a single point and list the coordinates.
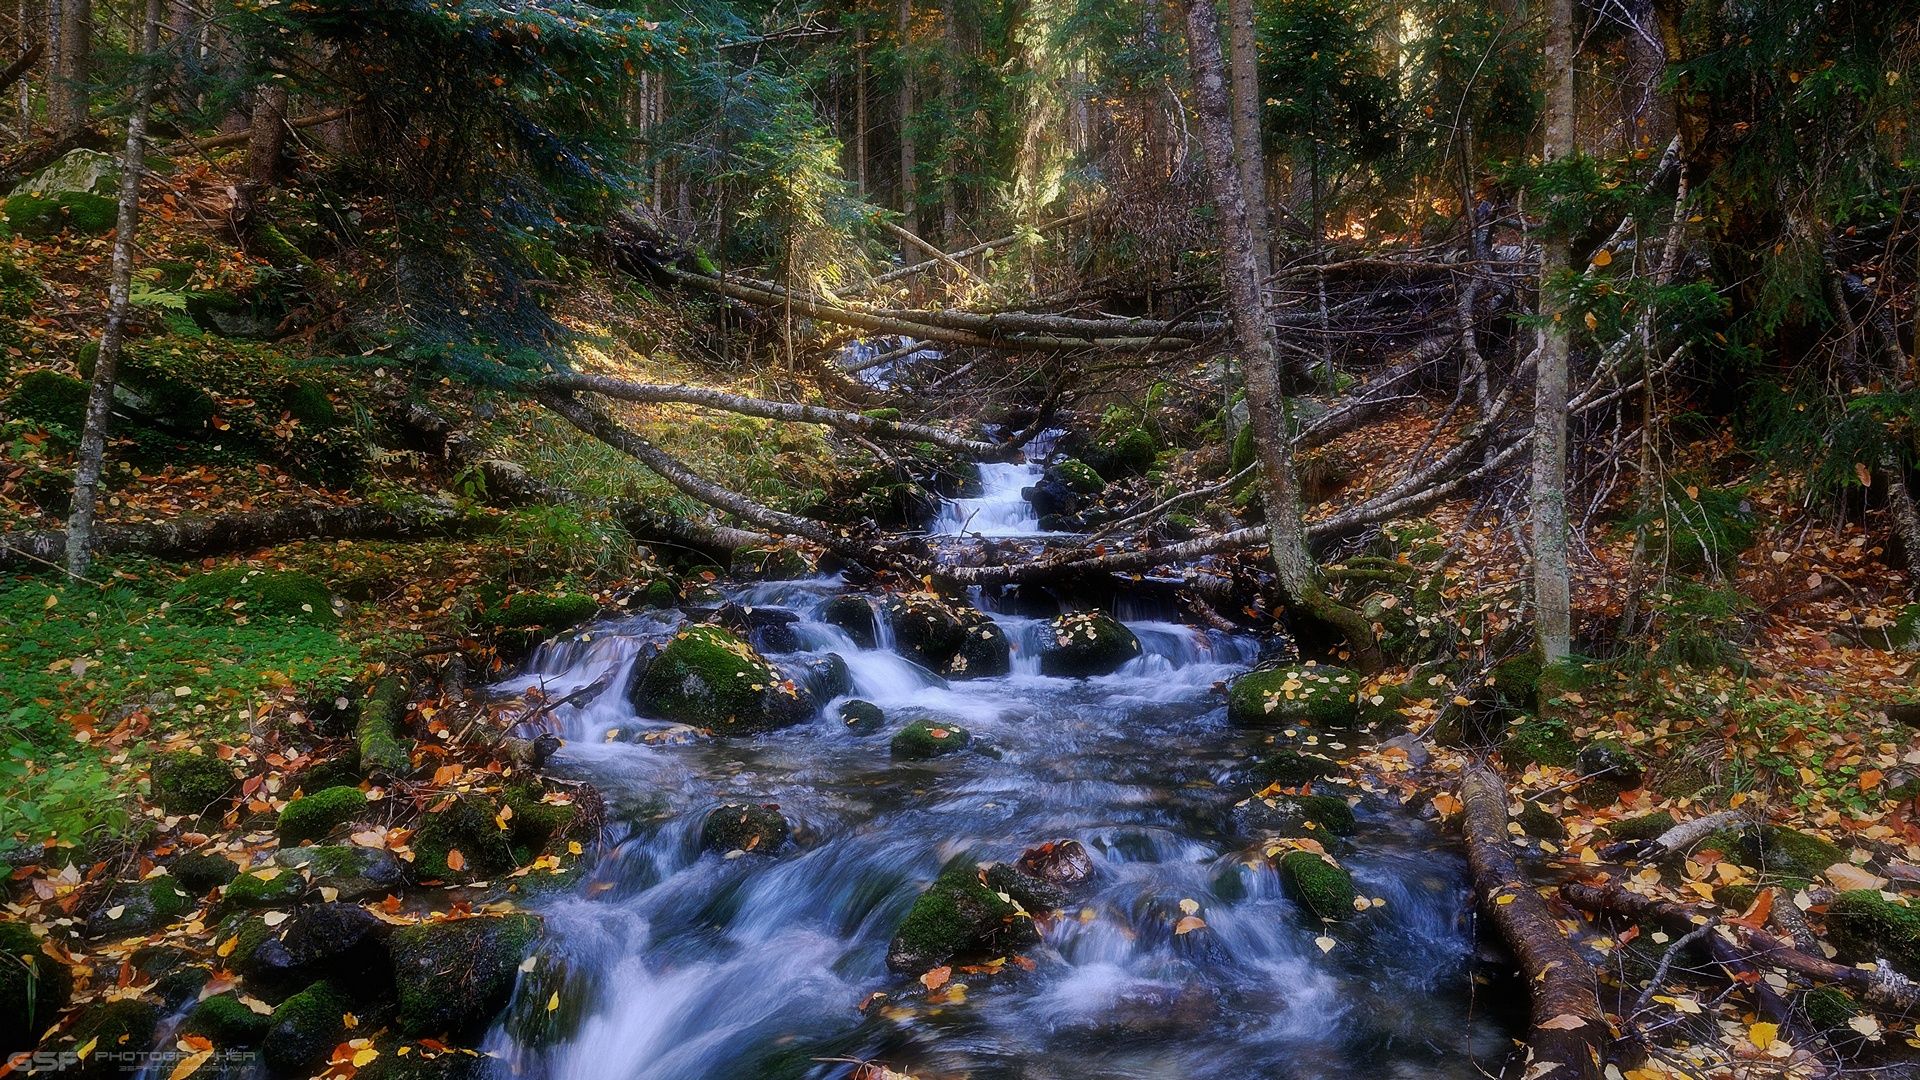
(1569, 1031)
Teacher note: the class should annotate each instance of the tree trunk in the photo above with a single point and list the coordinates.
(1548, 506)
(93, 436)
(1299, 574)
(67, 105)
(267, 135)
(1568, 1027)
(860, 112)
(198, 537)
(1243, 63)
(909, 187)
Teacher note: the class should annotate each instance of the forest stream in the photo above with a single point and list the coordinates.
(689, 964)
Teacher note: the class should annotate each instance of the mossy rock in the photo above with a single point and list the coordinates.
(1864, 925)
(1541, 742)
(958, 916)
(383, 752)
(772, 564)
(1080, 477)
(1311, 695)
(314, 816)
(257, 593)
(1610, 769)
(825, 677)
(707, 677)
(1129, 453)
(1644, 827)
(424, 1063)
(1299, 815)
(250, 890)
(308, 402)
(305, 1028)
(187, 783)
(1318, 884)
(541, 611)
(535, 824)
(50, 398)
(1788, 856)
(1290, 768)
(118, 1026)
(228, 1023)
(862, 717)
(201, 871)
(744, 827)
(467, 825)
(1033, 894)
(1087, 643)
(1540, 823)
(1828, 1009)
(924, 739)
(34, 987)
(352, 871)
(40, 217)
(947, 639)
(454, 977)
(140, 908)
(852, 614)
(660, 593)
(1517, 681)
(248, 931)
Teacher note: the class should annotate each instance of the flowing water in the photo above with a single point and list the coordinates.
(689, 966)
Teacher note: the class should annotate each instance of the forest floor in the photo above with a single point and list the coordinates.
(1768, 687)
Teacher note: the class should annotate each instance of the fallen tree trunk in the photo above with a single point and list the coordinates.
(225, 534)
(977, 249)
(1568, 1029)
(1679, 838)
(852, 422)
(1880, 987)
(604, 428)
(713, 541)
(938, 256)
(237, 138)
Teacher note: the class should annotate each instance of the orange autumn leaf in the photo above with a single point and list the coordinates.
(937, 978)
(455, 860)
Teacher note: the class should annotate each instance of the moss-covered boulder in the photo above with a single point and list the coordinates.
(1787, 856)
(1129, 452)
(184, 782)
(50, 398)
(948, 639)
(744, 827)
(862, 717)
(469, 825)
(305, 1028)
(267, 887)
(958, 916)
(1086, 643)
(852, 614)
(140, 907)
(1291, 768)
(1294, 815)
(1865, 925)
(34, 987)
(1079, 477)
(308, 402)
(1309, 694)
(1610, 770)
(540, 611)
(1317, 883)
(314, 816)
(924, 739)
(453, 977)
(1537, 741)
(825, 677)
(349, 870)
(113, 1027)
(227, 1022)
(39, 217)
(1032, 893)
(200, 871)
(707, 677)
(256, 594)
(1641, 827)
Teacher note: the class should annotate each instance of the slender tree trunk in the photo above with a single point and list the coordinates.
(909, 187)
(1551, 588)
(93, 437)
(860, 112)
(1243, 63)
(67, 103)
(951, 162)
(1298, 572)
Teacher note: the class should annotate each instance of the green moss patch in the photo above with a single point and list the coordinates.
(958, 916)
(1865, 925)
(707, 677)
(1317, 883)
(924, 739)
(189, 783)
(316, 815)
(305, 1028)
(1308, 695)
(453, 977)
(257, 593)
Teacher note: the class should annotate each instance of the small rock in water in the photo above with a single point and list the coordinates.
(862, 717)
(1061, 863)
(1411, 745)
(741, 827)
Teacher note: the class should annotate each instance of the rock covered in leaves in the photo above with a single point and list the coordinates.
(707, 677)
(1064, 864)
(349, 870)
(958, 916)
(924, 739)
(1309, 694)
(1087, 643)
(34, 987)
(140, 907)
(1291, 768)
(1284, 814)
(953, 640)
(744, 827)
(452, 977)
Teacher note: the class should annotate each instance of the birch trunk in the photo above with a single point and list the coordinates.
(1548, 507)
(909, 188)
(93, 437)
